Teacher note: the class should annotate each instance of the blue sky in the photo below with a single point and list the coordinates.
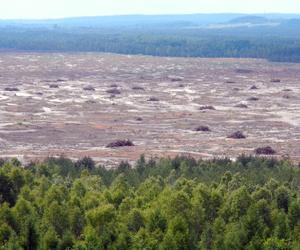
(69, 8)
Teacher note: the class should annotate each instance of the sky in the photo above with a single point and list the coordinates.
(42, 9)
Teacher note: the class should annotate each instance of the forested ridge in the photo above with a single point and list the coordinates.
(270, 38)
(180, 203)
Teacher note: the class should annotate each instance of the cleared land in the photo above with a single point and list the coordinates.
(76, 104)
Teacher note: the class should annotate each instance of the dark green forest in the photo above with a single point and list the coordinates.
(276, 38)
(180, 203)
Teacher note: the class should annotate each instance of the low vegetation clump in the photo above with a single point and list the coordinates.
(11, 89)
(153, 99)
(253, 98)
(89, 88)
(287, 90)
(275, 80)
(237, 135)
(207, 107)
(203, 129)
(253, 87)
(60, 80)
(138, 88)
(244, 71)
(265, 151)
(176, 78)
(53, 86)
(179, 203)
(120, 143)
(90, 102)
(113, 91)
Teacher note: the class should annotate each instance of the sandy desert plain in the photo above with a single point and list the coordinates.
(76, 104)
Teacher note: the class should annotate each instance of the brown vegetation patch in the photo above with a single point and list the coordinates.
(203, 129)
(113, 91)
(176, 78)
(253, 87)
(253, 98)
(120, 143)
(153, 99)
(53, 86)
(207, 107)
(265, 151)
(138, 88)
(275, 80)
(11, 89)
(89, 88)
(60, 80)
(237, 135)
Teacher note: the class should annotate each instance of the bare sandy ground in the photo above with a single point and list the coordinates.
(51, 113)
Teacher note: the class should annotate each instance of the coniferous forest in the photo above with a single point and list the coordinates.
(180, 203)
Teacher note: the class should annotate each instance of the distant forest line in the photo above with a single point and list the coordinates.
(243, 37)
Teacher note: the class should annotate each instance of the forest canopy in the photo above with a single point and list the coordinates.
(180, 203)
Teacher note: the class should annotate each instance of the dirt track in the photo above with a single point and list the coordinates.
(43, 119)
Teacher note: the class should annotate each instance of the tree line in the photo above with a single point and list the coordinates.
(275, 45)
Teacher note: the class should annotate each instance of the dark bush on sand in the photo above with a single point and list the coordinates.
(89, 88)
(253, 98)
(265, 151)
(253, 87)
(11, 89)
(120, 143)
(237, 135)
(153, 99)
(138, 88)
(53, 86)
(113, 91)
(207, 107)
(203, 129)
(275, 80)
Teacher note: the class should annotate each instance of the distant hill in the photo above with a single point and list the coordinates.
(292, 23)
(152, 20)
(128, 20)
(250, 19)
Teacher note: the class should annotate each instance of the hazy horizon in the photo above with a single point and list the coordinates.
(46, 9)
